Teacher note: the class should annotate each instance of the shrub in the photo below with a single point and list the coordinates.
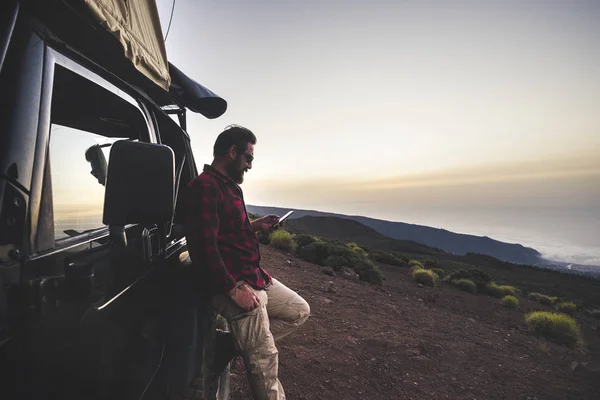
(415, 263)
(304, 240)
(416, 268)
(283, 240)
(567, 307)
(263, 238)
(356, 248)
(480, 278)
(510, 301)
(402, 257)
(424, 276)
(337, 255)
(352, 258)
(542, 298)
(369, 272)
(500, 290)
(477, 276)
(465, 285)
(316, 252)
(336, 262)
(387, 258)
(439, 272)
(559, 327)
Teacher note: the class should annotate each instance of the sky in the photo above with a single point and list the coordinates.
(414, 111)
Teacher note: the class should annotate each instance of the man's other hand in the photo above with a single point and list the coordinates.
(244, 297)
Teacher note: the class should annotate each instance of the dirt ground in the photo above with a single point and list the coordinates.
(406, 342)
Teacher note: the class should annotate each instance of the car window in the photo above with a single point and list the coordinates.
(78, 197)
(86, 119)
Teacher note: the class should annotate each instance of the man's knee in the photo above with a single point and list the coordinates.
(303, 312)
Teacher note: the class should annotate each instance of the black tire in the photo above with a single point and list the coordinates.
(214, 387)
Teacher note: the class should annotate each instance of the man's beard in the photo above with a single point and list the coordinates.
(235, 170)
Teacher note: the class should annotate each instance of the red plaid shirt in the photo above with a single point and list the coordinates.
(219, 234)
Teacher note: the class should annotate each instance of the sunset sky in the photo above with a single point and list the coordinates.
(378, 108)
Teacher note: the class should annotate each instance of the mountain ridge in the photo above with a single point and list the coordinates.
(439, 238)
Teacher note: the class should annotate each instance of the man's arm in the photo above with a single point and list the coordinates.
(202, 232)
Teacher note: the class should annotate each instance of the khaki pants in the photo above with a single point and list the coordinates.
(281, 312)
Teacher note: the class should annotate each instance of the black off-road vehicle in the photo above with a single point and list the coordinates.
(97, 297)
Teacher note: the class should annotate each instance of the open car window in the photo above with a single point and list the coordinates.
(86, 119)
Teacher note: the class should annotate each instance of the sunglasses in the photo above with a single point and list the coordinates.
(249, 158)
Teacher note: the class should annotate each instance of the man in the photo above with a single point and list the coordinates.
(222, 241)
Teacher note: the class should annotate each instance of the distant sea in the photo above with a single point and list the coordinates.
(564, 235)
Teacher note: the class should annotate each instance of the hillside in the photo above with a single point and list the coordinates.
(452, 242)
(402, 341)
(582, 289)
(353, 231)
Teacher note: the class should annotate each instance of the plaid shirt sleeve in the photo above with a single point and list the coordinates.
(202, 235)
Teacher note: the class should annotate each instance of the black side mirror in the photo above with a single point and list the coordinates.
(95, 157)
(140, 184)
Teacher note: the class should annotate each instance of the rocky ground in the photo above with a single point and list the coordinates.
(403, 341)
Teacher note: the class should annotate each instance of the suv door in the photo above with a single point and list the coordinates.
(93, 322)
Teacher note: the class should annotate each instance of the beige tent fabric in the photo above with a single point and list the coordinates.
(136, 24)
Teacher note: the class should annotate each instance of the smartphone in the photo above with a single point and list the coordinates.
(283, 218)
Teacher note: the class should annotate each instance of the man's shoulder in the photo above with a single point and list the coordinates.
(204, 180)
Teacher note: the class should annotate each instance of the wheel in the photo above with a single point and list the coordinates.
(216, 385)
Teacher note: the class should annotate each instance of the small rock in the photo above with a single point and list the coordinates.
(421, 285)
(328, 271)
(574, 365)
(350, 274)
(330, 287)
(325, 300)
(432, 298)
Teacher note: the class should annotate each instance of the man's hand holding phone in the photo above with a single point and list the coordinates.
(271, 222)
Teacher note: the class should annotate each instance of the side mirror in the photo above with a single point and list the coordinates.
(140, 184)
(95, 157)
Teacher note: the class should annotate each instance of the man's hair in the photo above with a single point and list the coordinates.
(233, 135)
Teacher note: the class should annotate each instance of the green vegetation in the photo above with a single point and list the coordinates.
(510, 301)
(559, 327)
(356, 248)
(500, 290)
(424, 276)
(283, 240)
(388, 258)
(337, 255)
(369, 272)
(316, 252)
(466, 285)
(542, 298)
(304, 240)
(415, 263)
(336, 262)
(439, 272)
(416, 268)
(567, 307)
(475, 275)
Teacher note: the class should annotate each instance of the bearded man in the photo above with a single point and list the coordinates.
(222, 242)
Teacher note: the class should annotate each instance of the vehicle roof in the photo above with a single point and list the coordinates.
(70, 25)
